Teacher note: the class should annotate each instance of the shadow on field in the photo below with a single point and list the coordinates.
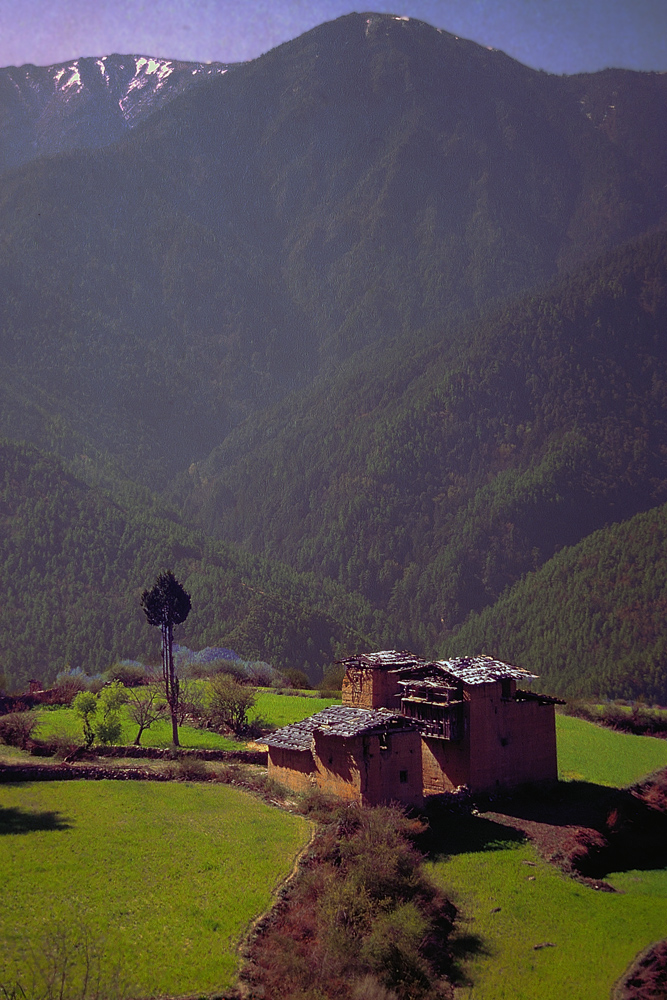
(22, 821)
(455, 833)
(565, 803)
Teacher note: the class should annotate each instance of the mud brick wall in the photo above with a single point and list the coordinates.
(445, 764)
(371, 770)
(510, 742)
(368, 770)
(295, 769)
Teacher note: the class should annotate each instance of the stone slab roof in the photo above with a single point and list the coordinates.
(385, 659)
(482, 670)
(338, 720)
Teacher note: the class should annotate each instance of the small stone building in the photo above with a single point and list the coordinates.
(365, 756)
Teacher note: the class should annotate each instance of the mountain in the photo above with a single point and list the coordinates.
(382, 306)
(74, 563)
(87, 102)
(367, 180)
(431, 475)
(590, 621)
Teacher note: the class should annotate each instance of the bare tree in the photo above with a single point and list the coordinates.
(145, 705)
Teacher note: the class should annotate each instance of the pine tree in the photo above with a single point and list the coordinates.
(166, 605)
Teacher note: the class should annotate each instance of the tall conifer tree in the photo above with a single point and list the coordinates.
(166, 605)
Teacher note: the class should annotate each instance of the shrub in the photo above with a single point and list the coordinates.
(85, 706)
(190, 769)
(16, 728)
(297, 679)
(69, 683)
(261, 674)
(101, 714)
(215, 667)
(129, 673)
(230, 703)
(360, 920)
(108, 728)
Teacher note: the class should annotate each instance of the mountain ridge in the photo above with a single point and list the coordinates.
(86, 102)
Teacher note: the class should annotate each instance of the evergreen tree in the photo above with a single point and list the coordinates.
(166, 605)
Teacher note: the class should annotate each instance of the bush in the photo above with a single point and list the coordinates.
(69, 682)
(100, 715)
(129, 673)
(361, 919)
(261, 674)
(229, 703)
(297, 679)
(190, 769)
(215, 667)
(16, 728)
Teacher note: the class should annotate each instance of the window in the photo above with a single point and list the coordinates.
(403, 777)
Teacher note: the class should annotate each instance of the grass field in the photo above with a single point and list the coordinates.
(278, 710)
(591, 753)
(64, 722)
(512, 901)
(188, 916)
(282, 710)
(171, 874)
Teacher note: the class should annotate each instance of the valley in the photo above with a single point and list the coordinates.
(364, 340)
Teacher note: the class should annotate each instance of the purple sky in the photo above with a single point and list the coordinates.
(561, 36)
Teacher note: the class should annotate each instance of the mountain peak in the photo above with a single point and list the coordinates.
(87, 102)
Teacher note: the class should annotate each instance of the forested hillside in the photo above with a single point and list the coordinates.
(432, 475)
(73, 565)
(591, 621)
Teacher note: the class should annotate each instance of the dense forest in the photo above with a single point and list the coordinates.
(435, 474)
(74, 562)
(591, 621)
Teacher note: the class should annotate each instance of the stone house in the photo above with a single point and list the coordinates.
(478, 728)
(366, 756)
(408, 729)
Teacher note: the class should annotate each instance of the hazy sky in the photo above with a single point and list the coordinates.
(561, 36)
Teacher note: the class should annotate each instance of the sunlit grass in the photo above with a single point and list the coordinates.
(282, 710)
(587, 752)
(65, 723)
(511, 906)
(171, 873)
(510, 900)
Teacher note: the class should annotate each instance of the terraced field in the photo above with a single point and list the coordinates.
(163, 877)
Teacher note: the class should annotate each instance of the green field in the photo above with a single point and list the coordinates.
(189, 913)
(511, 900)
(587, 752)
(170, 874)
(65, 723)
(282, 710)
(277, 710)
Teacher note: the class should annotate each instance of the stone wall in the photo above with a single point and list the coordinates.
(365, 687)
